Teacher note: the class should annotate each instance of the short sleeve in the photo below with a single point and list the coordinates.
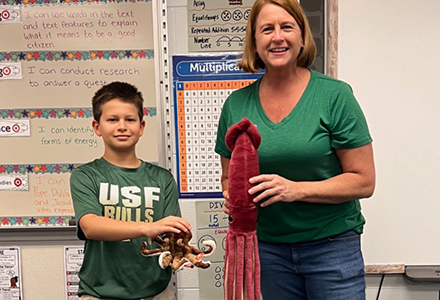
(348, 125)
(171, 198)
(84, 197)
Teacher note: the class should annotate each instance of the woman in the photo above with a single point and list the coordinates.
(316, 161)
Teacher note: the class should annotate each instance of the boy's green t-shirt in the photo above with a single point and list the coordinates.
(117, 270)
(302, 148)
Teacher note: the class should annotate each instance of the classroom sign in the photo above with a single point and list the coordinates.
(201, 85)
(212, 224)
(10, 71)
(217, 25)
(15, 128)
(14, 182)
(9, 14)
(73, 259)
(10, 274)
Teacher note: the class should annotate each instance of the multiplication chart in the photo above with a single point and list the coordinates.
(201, 85)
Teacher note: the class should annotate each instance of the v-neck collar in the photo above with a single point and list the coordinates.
(292, 113)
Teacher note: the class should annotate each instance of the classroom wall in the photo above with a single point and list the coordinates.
(388, 52)
(43, 263)
(178, 44)
(353, 29)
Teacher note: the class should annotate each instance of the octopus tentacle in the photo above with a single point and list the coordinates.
(176, 252)
(179, 265)
(210, 248)
(165, 259)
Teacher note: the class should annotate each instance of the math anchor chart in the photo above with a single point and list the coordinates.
(212, 224)
(217, 25)
(201, 85)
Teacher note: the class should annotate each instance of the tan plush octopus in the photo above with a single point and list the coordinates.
(176, 252)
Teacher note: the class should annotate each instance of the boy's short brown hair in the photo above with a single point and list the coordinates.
(123, 91)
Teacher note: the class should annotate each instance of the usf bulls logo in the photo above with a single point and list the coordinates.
(125, 203)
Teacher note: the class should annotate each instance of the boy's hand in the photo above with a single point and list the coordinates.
(168, 224)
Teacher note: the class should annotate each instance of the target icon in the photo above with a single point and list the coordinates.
(7, 71)
(16, 128)
(17, 182)
(6, 14)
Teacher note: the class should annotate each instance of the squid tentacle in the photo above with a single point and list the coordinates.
(257, 268)
(239, 284)
(249, 262)
(230, 266)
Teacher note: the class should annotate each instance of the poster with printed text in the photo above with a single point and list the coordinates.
(202, 83)
(217, 25)
(11, 285)
(212, 224)
(73, 258)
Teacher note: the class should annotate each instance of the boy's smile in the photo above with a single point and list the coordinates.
(119, 126)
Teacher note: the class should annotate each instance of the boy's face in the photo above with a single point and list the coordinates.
(119, 126)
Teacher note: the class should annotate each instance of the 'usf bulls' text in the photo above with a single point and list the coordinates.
(131, 197)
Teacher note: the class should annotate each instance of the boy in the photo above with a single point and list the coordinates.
(119, 201)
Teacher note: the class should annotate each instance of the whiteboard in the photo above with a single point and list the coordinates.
(388, 52)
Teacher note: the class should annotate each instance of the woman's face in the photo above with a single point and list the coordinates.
(277, 37)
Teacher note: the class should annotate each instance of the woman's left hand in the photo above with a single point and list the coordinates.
(274, 188)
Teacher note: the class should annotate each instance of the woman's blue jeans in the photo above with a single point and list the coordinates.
(328, 269)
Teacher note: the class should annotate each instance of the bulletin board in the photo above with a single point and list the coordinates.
(201, 85)
(54, 56)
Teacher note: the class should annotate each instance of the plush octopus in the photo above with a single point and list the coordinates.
(176, 252)
(242, 263)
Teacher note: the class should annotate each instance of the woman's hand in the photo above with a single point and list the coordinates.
(357, 181)
(274, 188)
(226, 202)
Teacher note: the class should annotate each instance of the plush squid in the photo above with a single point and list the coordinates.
(242, 263)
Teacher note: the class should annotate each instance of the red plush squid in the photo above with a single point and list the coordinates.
(242, 262)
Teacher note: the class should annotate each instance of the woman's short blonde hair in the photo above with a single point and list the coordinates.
(250, 62)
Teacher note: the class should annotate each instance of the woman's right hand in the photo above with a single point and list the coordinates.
(226, 202)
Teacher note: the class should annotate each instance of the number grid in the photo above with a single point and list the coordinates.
(199, 105)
